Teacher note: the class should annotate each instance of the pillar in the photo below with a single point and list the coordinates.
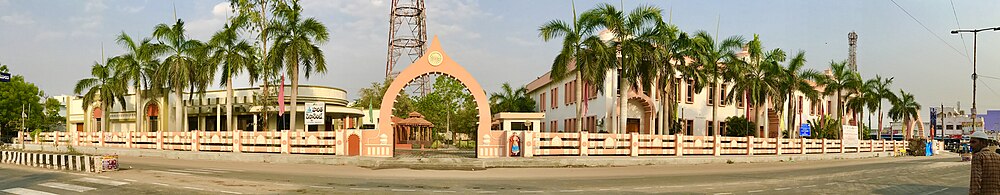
(195, 142)
(285, 146)
(777, 146)
(237, 141)
(802, 145)
(678, 144)
(634, 144)
(824, 145)
(750, 143)
(716, 146)
(584, 143)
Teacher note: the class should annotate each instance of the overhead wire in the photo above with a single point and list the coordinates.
(960, 35)
(929, 30)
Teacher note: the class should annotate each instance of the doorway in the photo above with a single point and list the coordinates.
(632, 125)
(353, 145)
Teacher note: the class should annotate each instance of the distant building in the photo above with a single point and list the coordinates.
(991, 120)
(953, 122)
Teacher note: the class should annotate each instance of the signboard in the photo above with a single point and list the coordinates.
(805, 130)
(850, 139)
(315, 113)
(4, 77)
(109, 163)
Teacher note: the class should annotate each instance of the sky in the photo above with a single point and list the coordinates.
(54, 43)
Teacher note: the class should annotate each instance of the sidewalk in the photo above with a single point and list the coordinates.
(457, 163)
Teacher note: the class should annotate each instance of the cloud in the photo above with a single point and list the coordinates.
(95, 6)
(221, 9)
(17, 19)
(130, 9)
(203, 28)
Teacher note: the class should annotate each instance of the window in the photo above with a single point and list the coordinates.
(958, 127)
(711, 95)
(541, 102)
(722, 128)
(555, 98)
(739, 102)
(710, 129)
(555, 126)
(689, 127)
(592, 90)
(813, 109)
(543, 127)
(689, 97)
(829, 107)
(951, 127)
(722, 95)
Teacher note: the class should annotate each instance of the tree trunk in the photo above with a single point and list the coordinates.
(715, 106)
(295, 94)
(880, 121)
(104, 116)
(229, 103)
(622, 104)
(179, 110)
(138, 109)
(840, 116)
(579, 98)
(792, 111)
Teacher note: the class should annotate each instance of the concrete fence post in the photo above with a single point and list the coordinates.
(237, 141)
(285, 146)
(128, 139)
(529, 143)
(159, 140)
(195, 140)
(750, 142)
(717, 145)
(75, 138)
(824, 145)
(802, 145)
(584, 143)
(842, 145)
(777, 146)
(98, 164)
(86, 163)
(678, 145)
(633, 144)
(883, 145)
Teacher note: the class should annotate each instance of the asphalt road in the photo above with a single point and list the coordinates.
(144, 175)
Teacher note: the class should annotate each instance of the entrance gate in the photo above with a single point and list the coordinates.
(435, 61)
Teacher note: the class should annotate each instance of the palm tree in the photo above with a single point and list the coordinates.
(880, 91)
(632, 35)
(252, 15)
(578, 48)
(710, 55)
(295, 45)
(511, 100)
(794, 78)
(133, 66)
(905, 108)
(857, 102)
(235, 56)
(671, 48)
(105, 86)
(842, 80)
(757, 77)
(178, 65)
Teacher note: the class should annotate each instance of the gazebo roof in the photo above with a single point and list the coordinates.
(416, 119)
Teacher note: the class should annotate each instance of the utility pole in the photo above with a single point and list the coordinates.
(975, 35)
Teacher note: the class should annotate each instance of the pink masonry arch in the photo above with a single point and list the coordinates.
(434, 61)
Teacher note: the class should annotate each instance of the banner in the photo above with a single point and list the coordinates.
(315, 113)
(850, 139)
(281, 97)
(4, 77)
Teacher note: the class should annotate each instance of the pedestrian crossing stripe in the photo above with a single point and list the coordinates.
(25, 191)
(101, 181)
(69, 187)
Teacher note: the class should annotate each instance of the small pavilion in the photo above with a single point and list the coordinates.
(413, 130)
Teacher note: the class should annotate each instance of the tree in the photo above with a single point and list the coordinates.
(371, 98)
(51, 119)
(511, 100)
(710, 55)
(842, 80)
(105, 87)
(824, 128)
(672, 46)
(178, 64)
(880, 91)
(631, 44)
(856, 103)
(235, 56)
(905, 108)
(793, 78)
(133, 67)
(579, 46)
(16, 95)
(738, 126)
(252, 15)
(295, 46)
(756, 76)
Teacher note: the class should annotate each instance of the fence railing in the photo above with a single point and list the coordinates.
(226, 141)
(600, 144)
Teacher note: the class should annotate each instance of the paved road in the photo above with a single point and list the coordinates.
(907, 175)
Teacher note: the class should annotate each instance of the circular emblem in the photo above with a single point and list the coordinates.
(435, 58)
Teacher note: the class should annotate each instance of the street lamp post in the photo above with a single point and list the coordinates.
(975, 34)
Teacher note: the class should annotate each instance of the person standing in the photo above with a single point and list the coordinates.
(985, 178)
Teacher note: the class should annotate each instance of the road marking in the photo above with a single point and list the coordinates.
(443, 191)
(402, 190)
(809, 186)
(102, 181)
(831, 183)
(852, 180)
(754, 191)
(360, 189)
(702, 185)
(162, 184)
(935, 191)
(533, 191)
(324, 187)
(186, 171)
(724, 193)
(284, 184)
(228, 192)
(208, 170)
(780, 189)
(570, 190)
(193, 188)
(80, 174)
(168, 172)
(23, 191)
(487, 192)
(642, 188)
(130, 180)
(69, 187)
(672, 186)
(218, 169)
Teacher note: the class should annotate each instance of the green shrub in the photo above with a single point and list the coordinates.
(917, 147)
(738, 126)
(824, 127)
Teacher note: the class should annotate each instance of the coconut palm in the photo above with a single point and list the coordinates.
(843, 80)
(756, 77)
(105, 86)
(631, 43)
(235, 56)
(177, 66)
(253, 16)
(880, 91)
(133, 66)
(511, 100)
(794, 78)
(579, 46)
(710, 56)
(905, 108)
(671, 48)
(857, 102)
(295, 45)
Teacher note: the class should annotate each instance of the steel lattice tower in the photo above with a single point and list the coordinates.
(407, 36)
(852, 60)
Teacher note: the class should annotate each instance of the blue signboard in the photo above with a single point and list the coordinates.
(4, 77)
(804, 130)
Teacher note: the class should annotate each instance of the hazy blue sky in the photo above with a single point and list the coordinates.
(53, 43)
